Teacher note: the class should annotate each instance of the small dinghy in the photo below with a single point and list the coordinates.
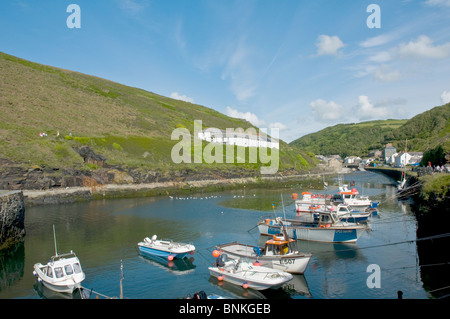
(248, 275)
(62, 273)
(165, 248)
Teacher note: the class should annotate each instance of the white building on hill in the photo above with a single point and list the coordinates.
(245, 139)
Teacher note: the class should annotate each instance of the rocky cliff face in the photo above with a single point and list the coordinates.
(12, 217)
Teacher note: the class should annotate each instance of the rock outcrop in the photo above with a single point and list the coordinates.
(12, 217)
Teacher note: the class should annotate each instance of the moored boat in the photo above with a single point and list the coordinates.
(278, 253)
(165, 248)
(62, 273)
(248, 275)
(352, 198)
(345, 213)
(309, 201)
(329, 228)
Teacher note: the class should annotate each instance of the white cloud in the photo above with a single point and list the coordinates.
(278, 125)
(132, 6)
(438, 3)
(376, 41)
(176, 96)
(385, 74)
(383, 56)
(326, 111)
(423, 48)
(240, 71)
(327, 45)
(250, 117)
(367, 111)
(445, 97)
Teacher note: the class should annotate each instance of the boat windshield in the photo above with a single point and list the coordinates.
(277, 249)
(59, 272)
(49, 271)
(77, 268)
(68, 269)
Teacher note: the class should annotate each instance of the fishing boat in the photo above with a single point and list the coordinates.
(247, 275)
(353, 199)
(279, 252)
(344, 212)
(330, 228)
(165, 248)
(62, 273)
(309, 201)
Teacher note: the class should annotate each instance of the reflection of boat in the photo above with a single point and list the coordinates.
(46, 293)
(329, 228)
(278, 253)
(297, 286)
(165, 248)
(245, 274)
(237, 292)
(62, 273)
(177, 266)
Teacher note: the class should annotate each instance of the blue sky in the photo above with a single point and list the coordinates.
(296, 65)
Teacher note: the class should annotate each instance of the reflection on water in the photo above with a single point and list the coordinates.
(104, 234)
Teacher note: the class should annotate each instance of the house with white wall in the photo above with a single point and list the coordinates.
(238, 138)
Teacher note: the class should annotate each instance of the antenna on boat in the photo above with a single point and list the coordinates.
(282, 203)
(54, 239)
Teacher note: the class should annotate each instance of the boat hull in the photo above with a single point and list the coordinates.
(332, 234)
(67, 285)
(163, 253)
(253, 279)
(291, 263)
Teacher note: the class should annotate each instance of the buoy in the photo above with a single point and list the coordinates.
(216, 253)
(220, 277)
(294, 196)
(191, 253)
(256, 263)
(245, 285)
(170, 257)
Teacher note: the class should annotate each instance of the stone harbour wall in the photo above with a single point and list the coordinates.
(12, 217)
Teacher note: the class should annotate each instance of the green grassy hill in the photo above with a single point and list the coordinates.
(130, 127)
(348, 139)
(423, 132)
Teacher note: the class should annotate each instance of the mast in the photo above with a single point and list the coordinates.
(54, 239)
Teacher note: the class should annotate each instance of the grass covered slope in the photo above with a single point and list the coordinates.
(131, 127)
(348, 139)
(423, 132)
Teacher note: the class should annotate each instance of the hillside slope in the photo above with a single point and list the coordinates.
(129, 127)
(423, 132)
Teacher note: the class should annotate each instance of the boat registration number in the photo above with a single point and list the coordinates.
(287, 261)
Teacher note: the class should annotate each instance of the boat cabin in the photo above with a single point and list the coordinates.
(326, 219)
(60, 266)
(278, 246)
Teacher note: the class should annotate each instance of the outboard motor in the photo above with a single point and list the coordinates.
(220, 261)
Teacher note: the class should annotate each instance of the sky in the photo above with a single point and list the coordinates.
(295, 65)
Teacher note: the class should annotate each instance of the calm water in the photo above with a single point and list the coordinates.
(104, 233)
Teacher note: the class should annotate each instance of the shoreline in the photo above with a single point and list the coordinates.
(109, 191)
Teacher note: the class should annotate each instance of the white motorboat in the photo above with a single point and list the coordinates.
(309, 201)
(248, 275)
(344, 212)
(165, 248)
(353, 199)
(278, 253)
(62, 273)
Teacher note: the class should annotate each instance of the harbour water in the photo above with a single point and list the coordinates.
(105, 233)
